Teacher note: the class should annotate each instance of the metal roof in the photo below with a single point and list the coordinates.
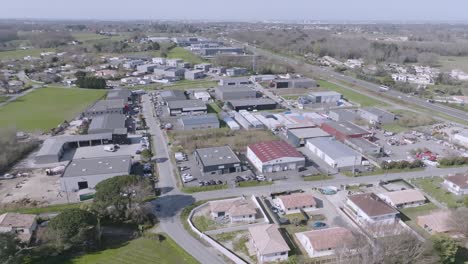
(107, 121)
(173, 95)
(333, 148)
(324, 93)
(104, 105)
(119, 94)
(346, 127)
(199, 119)
(272, 150)
(250, 102)
(235, 88)
(98, 166)
(312, 132)
(53, 145)
(186, 104)
(217, 156)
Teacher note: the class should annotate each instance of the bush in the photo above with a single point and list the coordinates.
(401, 165)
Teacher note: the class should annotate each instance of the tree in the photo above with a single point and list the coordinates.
(445, 247)
(73, 228)
(9, 247)
(146, 154)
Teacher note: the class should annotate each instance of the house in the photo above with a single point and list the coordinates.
(186, 107)
(296, 202)
(325, 97)
(343, 115)
(404, 198)
(268, 244)
(23, 225)
(364, 146)
(293, 83)
(147, 68)
(333, 152)
(172, 95)
(235, 92)
(238, 81)
(457, 184)
(274, 156)
(298, 137)
(252, 104)
(159, 60)
(202, 95)
(324, 242)
(376, 116)
(240, 209)
(106, 73)
(110, 106)
(194, 74)
(438, 222)
(217, 160)
(344, 130)
(368, 209)
(87, 173)
(236, 71)
(173, 62)
(199, 122)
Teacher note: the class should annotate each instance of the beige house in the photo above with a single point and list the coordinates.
(403, 198)
(268, 244)
(319, 243)
(296, 202)
(237, 209)
(23, 225)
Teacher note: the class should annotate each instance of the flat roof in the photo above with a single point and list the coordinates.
(363, 143)
(346, 114)
(346, 127)
(98, 166)
(333, 148)
(324, 93)
(108, 121)
(172, 95)
(53, 145)
(119, 94)
(235, 88)
(249, 102)
(311, 132)
(186, 104)
(217, 156)
(103, 105)
(199, 119)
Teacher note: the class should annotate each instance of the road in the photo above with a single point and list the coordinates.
(329, 74)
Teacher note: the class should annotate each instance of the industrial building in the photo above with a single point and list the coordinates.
(203, 66)
(252, 104)
(217, 160)
(187, 107)
(202, 95)
(343, 115)
(239, 81)
(123, 94)
(169, 72)
(53, 148)
(112, 106)
(274, 156)
(344, 130)
(87, 173)
(236, 71)
(333, 152)
(324, 97)
(233, 125)
(364, 146)
(110, 123)
(298, 137)
(251, 119)
(293, 83)
(193, 75)
(376, 116)
(172, 95)
(199, 122)
(235, 92)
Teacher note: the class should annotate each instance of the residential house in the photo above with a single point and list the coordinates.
(268, 244)
(324, 242)
(457, 184)
(237, 210)
(368, 209)
(404, 198)
(296, 202)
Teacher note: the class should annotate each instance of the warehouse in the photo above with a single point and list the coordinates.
(110, 123)
(187, 107)
(53, 148)
(169, 72)
(325, 97)
(198, 122)
(193, 75)
(172, 95)
(333, 152)
(123, 94)
(252, 104)
(274, 156)
(298, 137)
(112, 106)
(364, 146)
(87, 173)
(202, 95)
(234, 81)
(235, 92)
(376, 116)
(293, 83)
(217, 160)
(343, 115)
(344, 130)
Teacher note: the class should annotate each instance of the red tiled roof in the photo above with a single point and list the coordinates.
(271, 150)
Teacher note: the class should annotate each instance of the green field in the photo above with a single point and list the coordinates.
(46, 108)
(19, 54)
(359, 98)
(42, 210)
(395, 128)
(181, 53)
(141, 250)
(432, 186)
(449, 63)
(3, 98)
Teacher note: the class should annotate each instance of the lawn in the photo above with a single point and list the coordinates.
(41, 210)
(395, 128)
(449, 63)
(141, 250)
(208, 188)
(214, 108)
(191, 84)
(380, 171)
(254, 183)
(181, 53)
(359, 98)
(203, 223)
(46, 108)
(3, 98)
(19, 54)
(432, 186)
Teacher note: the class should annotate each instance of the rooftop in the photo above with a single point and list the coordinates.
(297, 200)
(98, 166)
(312, 132)
(53, 145)
(104, 105)
(217, 156)
(268, 239)
(17, 220)
(329, 238)
(346, 127)
(371, 204)
(460, 180)
(199, 119)
(119, 94)
(235, 207)
(345, 114)
(272, 150)
(108, 121)
(235, 88)
(404, 196)
(332, 147)
(324, 93)
(173, 95)
(253, 101)
(186, 104)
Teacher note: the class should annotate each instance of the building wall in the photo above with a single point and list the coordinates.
(71, 183)
(293, 210)
(455, 189)
(276, 165)
(310, 250)
(244, 218)
(347, 161)
(363, 219)
(280, 256)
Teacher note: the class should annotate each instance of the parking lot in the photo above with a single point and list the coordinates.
(98, 151)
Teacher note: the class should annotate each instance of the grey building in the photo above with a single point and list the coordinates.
(87, 173)
(252, 104)
(235, 92)
(236, 71)
(199, 122)
(172, 95)
(190, 107)
(218, 70)
(327, 97)
(110, 123)
(53, 148)
(298, 137)
(376, 116)
(217, 160)
(203, 66)
(238, 81)
(364, 146)
(342, 115)
(195, 74)
(123, 94)
(294, 83)
(147, 68)
(113, 106)
(170, 72)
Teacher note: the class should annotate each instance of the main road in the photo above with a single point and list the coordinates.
(329, 74)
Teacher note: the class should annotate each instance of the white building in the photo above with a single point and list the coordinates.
(403, 198)
(321, 243)
(461, 138)
(268, 244)
(457, 184)
(368, 209)
(333, 152)
(274, 156)
(294, 203)
(202, 95)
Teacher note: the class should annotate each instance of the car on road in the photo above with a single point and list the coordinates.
(239, 179)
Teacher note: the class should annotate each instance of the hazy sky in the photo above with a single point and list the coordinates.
(340, 10)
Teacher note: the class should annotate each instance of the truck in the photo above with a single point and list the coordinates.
(55, 171)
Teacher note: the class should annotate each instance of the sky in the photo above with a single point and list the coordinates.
(239, 10)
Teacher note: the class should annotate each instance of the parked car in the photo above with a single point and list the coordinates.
(239, 179)
(318, 225)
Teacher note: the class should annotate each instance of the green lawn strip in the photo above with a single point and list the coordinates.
(191, 84)
(208, 188)
(395, 128)
(20, 54)
(380, 171)
(41, 210)
(46, 108)
(254, 183)
(203, 223)
(141, 250)
(432, 186)
(3, 98)
(320, 177)
(353, 96)
(181, 53)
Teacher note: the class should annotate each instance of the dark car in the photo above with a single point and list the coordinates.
(212, 182)
(239, 179)
(220, 182)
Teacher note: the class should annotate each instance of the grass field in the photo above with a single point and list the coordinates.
(19, 54)
(208, 188)
(181, 53)
(41, 210)
(432, 186)
(449, 63)
(3, 98)
(141, 250)
(254, 183)
(395, 128)
(45, 108)
(361, 99)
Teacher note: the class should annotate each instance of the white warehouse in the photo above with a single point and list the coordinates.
(274, 156)
(333, 152)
